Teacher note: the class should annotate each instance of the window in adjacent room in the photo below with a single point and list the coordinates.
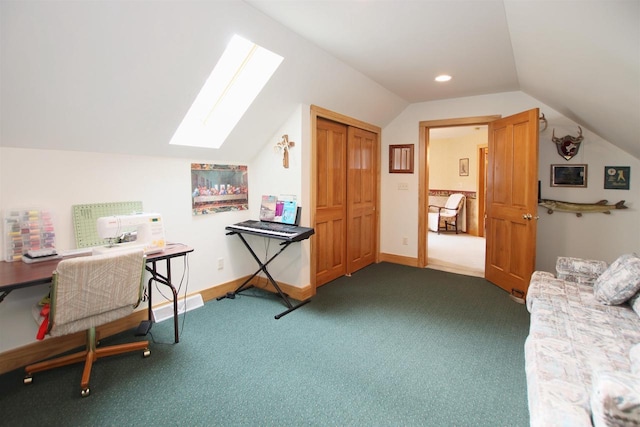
(240, 74)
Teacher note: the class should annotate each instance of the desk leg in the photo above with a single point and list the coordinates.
(155, 275)
(4, 294)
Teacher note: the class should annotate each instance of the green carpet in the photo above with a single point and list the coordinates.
(390, 346)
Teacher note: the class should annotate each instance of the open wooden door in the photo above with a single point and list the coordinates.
(512, 200)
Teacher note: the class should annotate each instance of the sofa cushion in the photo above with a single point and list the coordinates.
(634, 302)
(578, 270)
(615, 400)
(571, 336)
(619, 282)
(634, 358)
(556, 391)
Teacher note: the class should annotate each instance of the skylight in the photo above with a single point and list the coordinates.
(236, 80)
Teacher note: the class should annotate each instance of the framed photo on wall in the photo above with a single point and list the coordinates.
(568, 175)
(617, 177)
(463, 167)
(218, 188)
(401, 158)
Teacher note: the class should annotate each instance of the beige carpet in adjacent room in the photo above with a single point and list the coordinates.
(456, 253)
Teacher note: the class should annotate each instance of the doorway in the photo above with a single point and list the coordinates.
(456, 160)
(424, 162)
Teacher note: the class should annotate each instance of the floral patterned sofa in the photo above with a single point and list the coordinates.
(583, 353)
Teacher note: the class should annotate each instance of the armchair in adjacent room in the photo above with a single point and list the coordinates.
(443, 218)
(87, 292)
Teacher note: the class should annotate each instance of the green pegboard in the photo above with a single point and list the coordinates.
(85, 217)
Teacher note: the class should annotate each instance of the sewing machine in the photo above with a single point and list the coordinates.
(141, 230)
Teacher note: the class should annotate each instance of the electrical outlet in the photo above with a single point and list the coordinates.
(405, 240)
(220, 263)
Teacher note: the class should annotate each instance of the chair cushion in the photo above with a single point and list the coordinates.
(454, 201)
(619, 282)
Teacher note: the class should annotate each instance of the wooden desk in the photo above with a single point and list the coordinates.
(15, 275)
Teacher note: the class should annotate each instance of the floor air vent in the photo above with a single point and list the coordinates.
(165, 311)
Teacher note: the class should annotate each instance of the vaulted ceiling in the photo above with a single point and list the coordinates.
(119, 76)
(581, 58)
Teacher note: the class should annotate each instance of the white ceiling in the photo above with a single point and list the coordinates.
(581, 58)
(119, 76)
(404, 45)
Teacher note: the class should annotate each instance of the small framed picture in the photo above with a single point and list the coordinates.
(568, 175)
(401, 158)
(463, 167)
(617, 177)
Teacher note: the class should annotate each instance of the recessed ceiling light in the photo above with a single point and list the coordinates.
(443, 78)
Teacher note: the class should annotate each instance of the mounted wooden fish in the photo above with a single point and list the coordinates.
(580, 208)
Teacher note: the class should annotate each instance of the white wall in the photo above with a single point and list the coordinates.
(596, 236)
(445, 155)
(119, 76)
(57, 180)
(268, 176)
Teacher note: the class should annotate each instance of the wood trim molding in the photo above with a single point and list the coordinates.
(460, 121)
(399, 259)
(340, 118)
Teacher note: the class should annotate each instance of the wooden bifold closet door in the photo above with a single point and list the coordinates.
(346, 196)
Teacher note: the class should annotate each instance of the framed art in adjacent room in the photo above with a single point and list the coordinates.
(401, 158)
(463, 167)
(568, 175)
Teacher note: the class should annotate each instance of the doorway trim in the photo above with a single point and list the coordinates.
(482, 182)
(423, 172)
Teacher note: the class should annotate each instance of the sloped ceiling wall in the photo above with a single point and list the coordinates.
(582, 58)
(120, 76)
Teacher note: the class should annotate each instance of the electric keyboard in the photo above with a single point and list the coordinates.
(291, 233)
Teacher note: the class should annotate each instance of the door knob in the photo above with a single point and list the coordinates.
(527, 216)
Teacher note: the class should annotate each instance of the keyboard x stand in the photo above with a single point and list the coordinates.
(263, 267)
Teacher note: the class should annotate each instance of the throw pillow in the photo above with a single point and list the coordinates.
(615, 399)
(634, 302)
(619, 282)
(634, 358)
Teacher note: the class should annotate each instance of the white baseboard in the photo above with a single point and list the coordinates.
(165, 311)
